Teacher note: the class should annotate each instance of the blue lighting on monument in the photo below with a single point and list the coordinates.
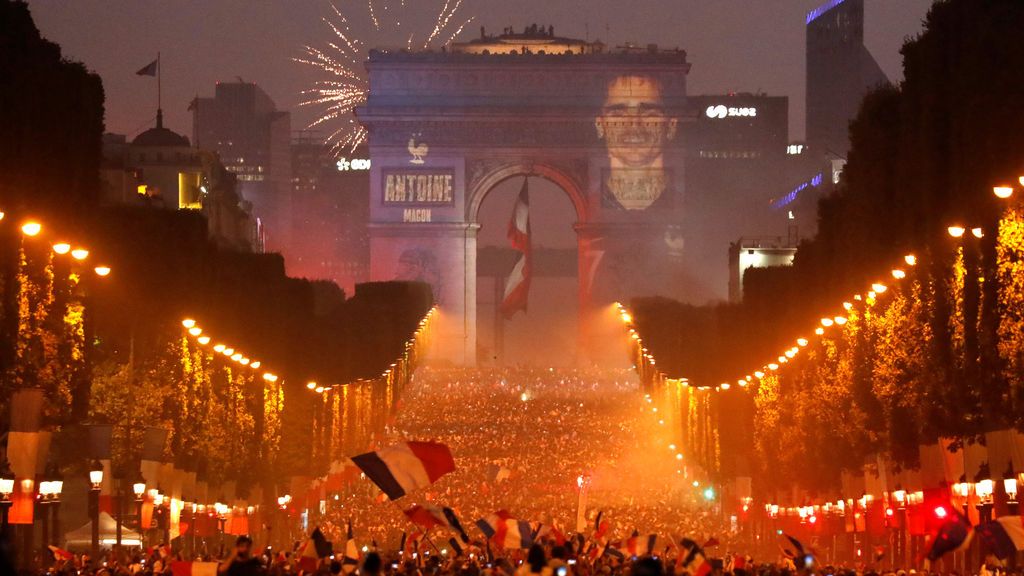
(814, 14)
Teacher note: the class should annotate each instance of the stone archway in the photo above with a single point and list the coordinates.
(491, 173)
(446, 128)
(556, 293)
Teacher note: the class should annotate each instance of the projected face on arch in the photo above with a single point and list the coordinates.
(633, 122)
(636, 129)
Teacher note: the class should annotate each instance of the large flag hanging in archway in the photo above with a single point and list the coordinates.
(517, 287)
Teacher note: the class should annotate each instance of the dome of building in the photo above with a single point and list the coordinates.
(160, 136)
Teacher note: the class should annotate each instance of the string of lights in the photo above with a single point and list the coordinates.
(32, 228)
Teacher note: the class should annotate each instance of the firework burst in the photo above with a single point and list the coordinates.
(353, 32)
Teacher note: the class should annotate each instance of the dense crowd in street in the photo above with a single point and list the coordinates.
(523, 439)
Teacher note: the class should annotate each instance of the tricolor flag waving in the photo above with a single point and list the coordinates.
(350, 561)
(517, 287)
(505, 531)
(404, 467)
(313, 551)
(1004, 536)
(954, 535)
(638, 545)
(692, 560)
(429, 516)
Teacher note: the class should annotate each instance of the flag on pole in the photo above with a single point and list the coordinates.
(638, 545)
(149, 69)
(693, 560)
(313, 550)
(350, 561)
(406, 466)
(517, 287)
(428, 516)
(1004, 537)
(506, 531)
(954, 535)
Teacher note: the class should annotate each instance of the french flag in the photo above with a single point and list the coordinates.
(182, 568)
(1004, 537)
(402, 468)
(954, 535)
(429, 516)
(638, 545)
(517, 287)
(505, 531)
(693, 560)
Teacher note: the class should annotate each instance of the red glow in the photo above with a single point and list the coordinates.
(889, 512)
(940, 512)
(813, 519)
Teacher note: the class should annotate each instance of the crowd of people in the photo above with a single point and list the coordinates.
(536, 444)
(524, 440)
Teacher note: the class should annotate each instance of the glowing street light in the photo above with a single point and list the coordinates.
(977, 232)
(801, 342)
(62, 248)
(879, 287)
(899, 274)
(910, 259)
(79, 253)
(195, 330)
(102, 270)
(311, 385)
(956, 231)
(204, 340)
(31, 228)
(188, 323)
(1004, 192)
(826, 322)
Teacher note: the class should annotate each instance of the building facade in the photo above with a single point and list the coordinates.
(330, 209)
(840, 71)
(252, 137)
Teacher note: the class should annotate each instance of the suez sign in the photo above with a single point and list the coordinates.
(720, 111)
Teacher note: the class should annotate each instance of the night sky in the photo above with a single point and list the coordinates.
(734, 45)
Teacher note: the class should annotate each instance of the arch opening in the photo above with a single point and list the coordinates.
(546, 334)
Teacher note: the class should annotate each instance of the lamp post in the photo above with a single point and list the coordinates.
(139, 489)
(900, 498)
(96, 478)
(6, 489)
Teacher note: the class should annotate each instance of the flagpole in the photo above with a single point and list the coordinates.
(159, 73)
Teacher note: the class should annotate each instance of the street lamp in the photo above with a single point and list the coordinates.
(6, 489)
(1004, 192)
(1010, 487)
(956, 231)
(96, 478)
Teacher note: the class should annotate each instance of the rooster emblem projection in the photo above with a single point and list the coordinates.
(418, 151)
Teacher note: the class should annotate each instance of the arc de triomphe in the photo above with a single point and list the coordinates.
(445, 128)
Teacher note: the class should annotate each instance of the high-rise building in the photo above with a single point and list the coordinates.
(330, 199)
(840, 71)
(253, 139)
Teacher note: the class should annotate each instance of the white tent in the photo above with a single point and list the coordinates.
(82, 537)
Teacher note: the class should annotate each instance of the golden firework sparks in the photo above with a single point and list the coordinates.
(340, 59)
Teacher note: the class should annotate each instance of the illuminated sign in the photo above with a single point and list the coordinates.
(794, 149)
(416, 215)
(723, 111)
(419, 187)
(347, 164)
